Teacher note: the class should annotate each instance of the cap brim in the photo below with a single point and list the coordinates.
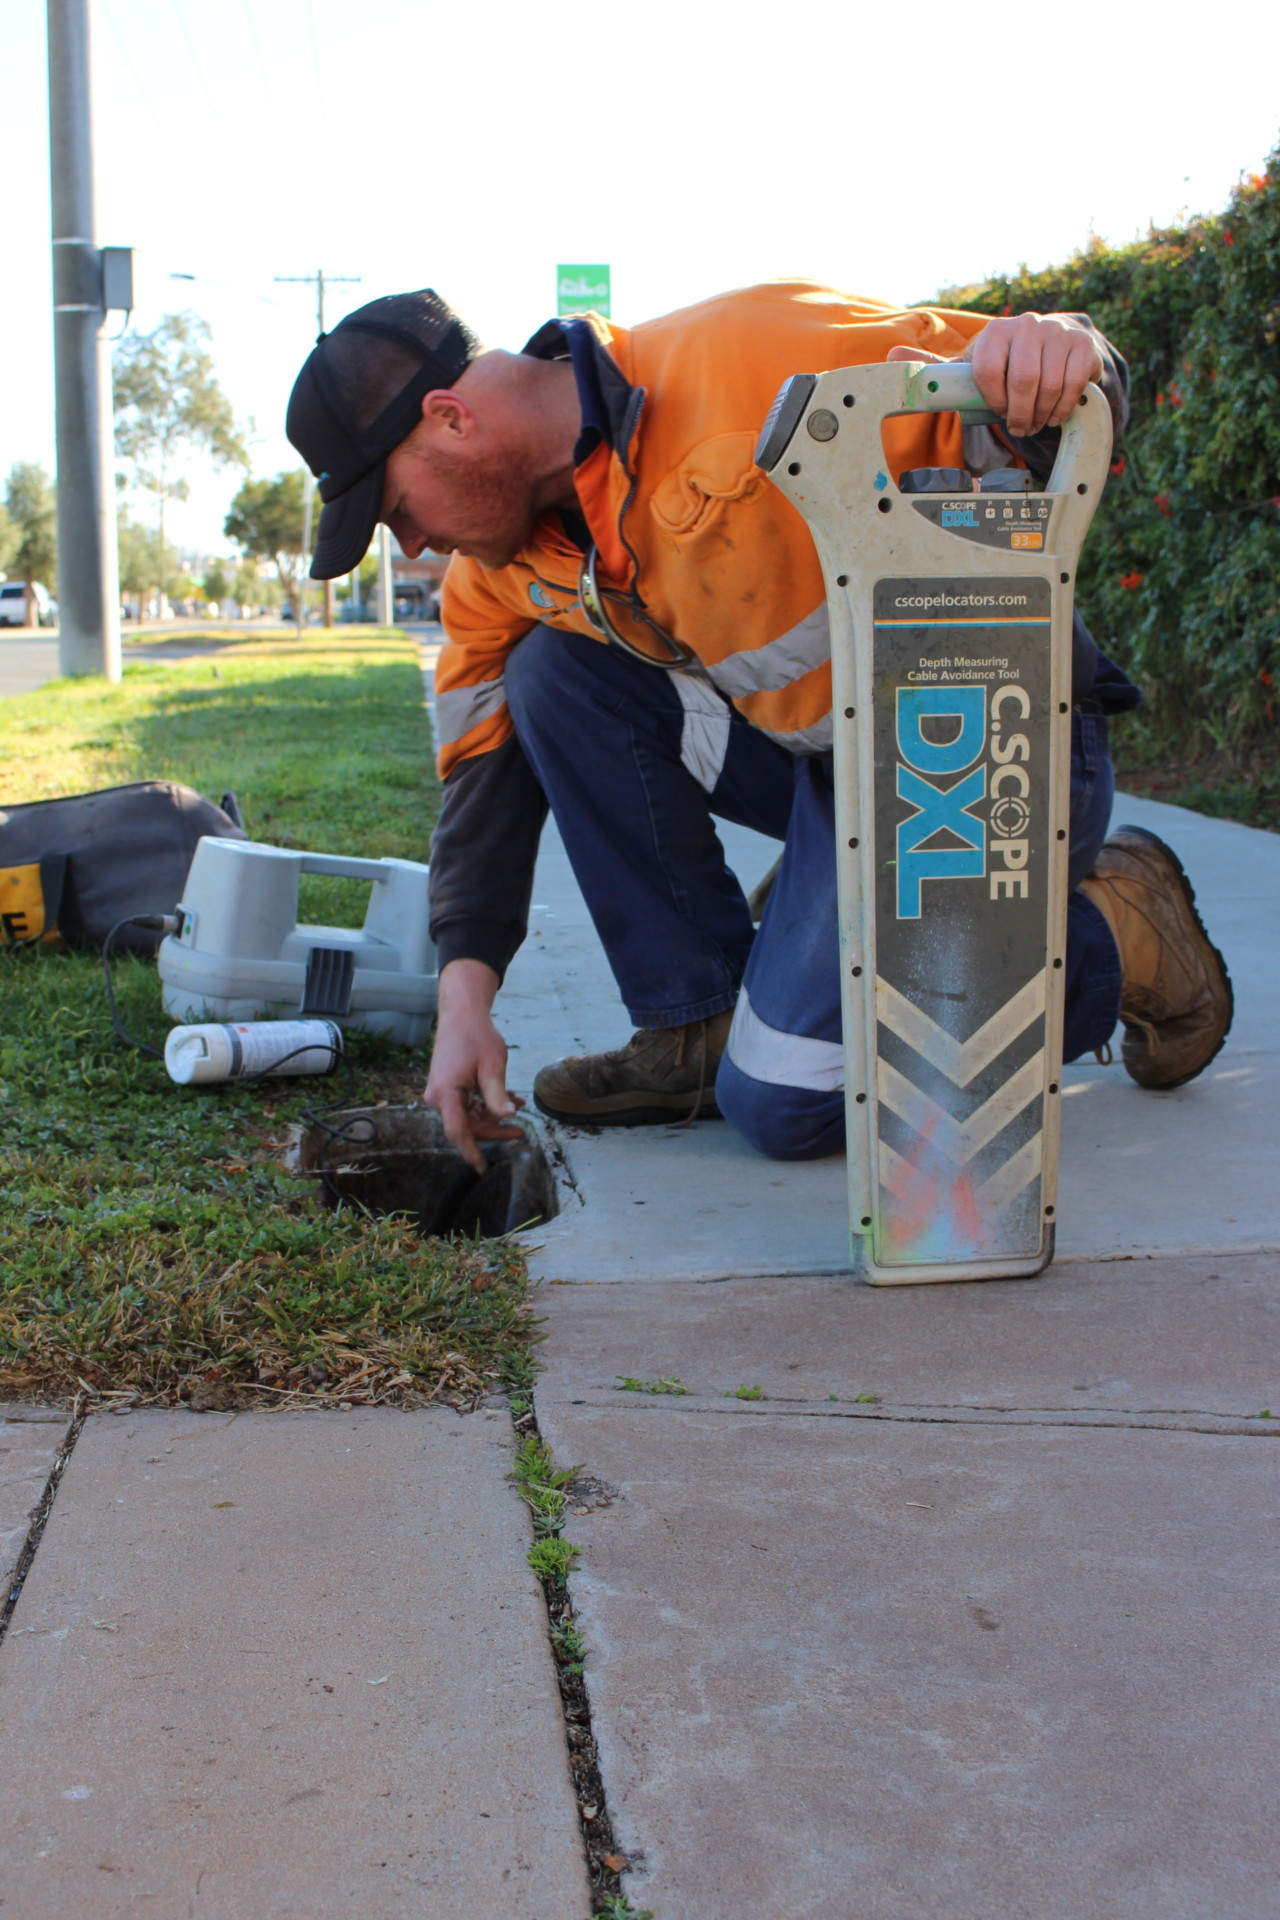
(347, 526)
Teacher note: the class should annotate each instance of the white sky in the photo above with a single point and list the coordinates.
(693, 146)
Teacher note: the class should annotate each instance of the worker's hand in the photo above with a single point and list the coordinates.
(1030, 369)
(468, 1081)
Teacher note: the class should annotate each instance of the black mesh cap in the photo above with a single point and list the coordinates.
(358, 396)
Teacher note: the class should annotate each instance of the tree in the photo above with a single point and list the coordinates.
(216, 583)
(10, 539)
(252, 588)
(32, 511)
(266, 523)
(169, 406)
(147, 562)
(367, 574)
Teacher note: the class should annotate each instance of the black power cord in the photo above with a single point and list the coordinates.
(151, 923)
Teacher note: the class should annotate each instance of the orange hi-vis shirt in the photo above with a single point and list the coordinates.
(680, 514)
(690, 536)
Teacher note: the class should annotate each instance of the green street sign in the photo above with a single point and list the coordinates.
(581, 288)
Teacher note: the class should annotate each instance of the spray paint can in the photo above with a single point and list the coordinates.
(243, 1049)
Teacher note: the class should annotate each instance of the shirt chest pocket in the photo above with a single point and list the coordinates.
(691, 500)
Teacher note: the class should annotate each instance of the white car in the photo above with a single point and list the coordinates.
(13, 604)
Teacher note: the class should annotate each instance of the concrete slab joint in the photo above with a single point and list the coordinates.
(31, 1443)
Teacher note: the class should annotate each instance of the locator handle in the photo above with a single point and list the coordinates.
(1085, 449)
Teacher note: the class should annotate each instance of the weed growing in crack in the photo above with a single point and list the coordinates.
(566, 1643)
(553, 1559)
(628, 1383)
(620, 1908)
(547, 1507)
(542, 1486)
(535, 1471)
(744, 1393)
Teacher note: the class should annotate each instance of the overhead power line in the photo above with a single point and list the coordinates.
(319, 280)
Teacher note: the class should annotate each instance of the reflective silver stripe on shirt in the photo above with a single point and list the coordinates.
(465, 707)
(704, 737)
(814, 739)
(767, 669)
(782, 1059)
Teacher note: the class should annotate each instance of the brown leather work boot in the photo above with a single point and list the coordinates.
(662, 1074)
(1176, 1001)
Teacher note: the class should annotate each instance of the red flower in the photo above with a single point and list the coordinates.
(1162, 501)
(1159, 399)
(1228, 238)
(1265, 677)
(1006, 310)
(1118, 466)
(1130, 580)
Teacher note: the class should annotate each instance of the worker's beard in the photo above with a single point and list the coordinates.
(490, 505)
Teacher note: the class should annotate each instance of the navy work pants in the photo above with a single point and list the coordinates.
(635, 762)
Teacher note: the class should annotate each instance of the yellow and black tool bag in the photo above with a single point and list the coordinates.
(71, 869)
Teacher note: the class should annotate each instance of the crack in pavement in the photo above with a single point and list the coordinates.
(1158, 1419)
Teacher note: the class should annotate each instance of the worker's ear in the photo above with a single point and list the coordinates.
(446, 415)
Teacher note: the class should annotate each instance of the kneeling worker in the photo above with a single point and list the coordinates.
(601, 480)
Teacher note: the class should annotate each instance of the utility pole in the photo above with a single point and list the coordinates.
(386, 579)
(319, 281)
(88, 559)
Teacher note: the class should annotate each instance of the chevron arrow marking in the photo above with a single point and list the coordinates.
(961, 1060)
(961, 1140)
(902, 1179)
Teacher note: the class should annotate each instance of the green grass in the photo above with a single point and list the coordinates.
(325, 744)
(151, 1243)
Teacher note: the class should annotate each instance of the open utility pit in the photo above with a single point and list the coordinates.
(397, 1160)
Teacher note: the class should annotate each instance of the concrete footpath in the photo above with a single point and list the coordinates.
(268, 1666)
(955, 1600)
(970, 1610)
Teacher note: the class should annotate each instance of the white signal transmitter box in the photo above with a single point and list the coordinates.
(240, 954)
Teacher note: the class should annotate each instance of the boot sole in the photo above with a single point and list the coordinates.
(1189, 895)
(630, 1116)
